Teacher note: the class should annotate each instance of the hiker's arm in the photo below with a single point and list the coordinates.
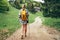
(19, 14)
(27, 12)
(27, 17)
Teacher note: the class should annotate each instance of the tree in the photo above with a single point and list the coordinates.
(51, 8)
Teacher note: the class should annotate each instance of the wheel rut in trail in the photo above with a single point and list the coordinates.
(36, 31)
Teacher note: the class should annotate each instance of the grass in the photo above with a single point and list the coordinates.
(52, 22)
(9, 21)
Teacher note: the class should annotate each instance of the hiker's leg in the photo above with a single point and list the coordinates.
(22, 33)
(25, 29)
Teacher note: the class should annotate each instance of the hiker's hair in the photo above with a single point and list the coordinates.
(23, 6)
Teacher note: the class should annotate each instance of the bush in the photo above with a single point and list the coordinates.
(15, 4)
(30, 6)
(4, 5)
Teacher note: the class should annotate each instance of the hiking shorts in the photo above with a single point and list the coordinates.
(23, 22)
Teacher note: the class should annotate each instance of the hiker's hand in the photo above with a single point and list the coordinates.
(19, 16)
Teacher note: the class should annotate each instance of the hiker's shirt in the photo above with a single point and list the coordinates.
(21, 21)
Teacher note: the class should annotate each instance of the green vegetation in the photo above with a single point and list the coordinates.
(9, 22)
(51, 13)
(51, 8)
(4, 5)
(52, 22)
(9, 19)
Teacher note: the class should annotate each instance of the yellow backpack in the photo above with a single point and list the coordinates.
(23, 15)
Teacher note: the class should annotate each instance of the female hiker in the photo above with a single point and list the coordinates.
(23, 17)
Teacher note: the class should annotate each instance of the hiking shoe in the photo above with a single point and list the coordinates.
(25, 35)
(21, 36)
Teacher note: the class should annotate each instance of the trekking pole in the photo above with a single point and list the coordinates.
(28, 29)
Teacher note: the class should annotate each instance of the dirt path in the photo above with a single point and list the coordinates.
(37, 32)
